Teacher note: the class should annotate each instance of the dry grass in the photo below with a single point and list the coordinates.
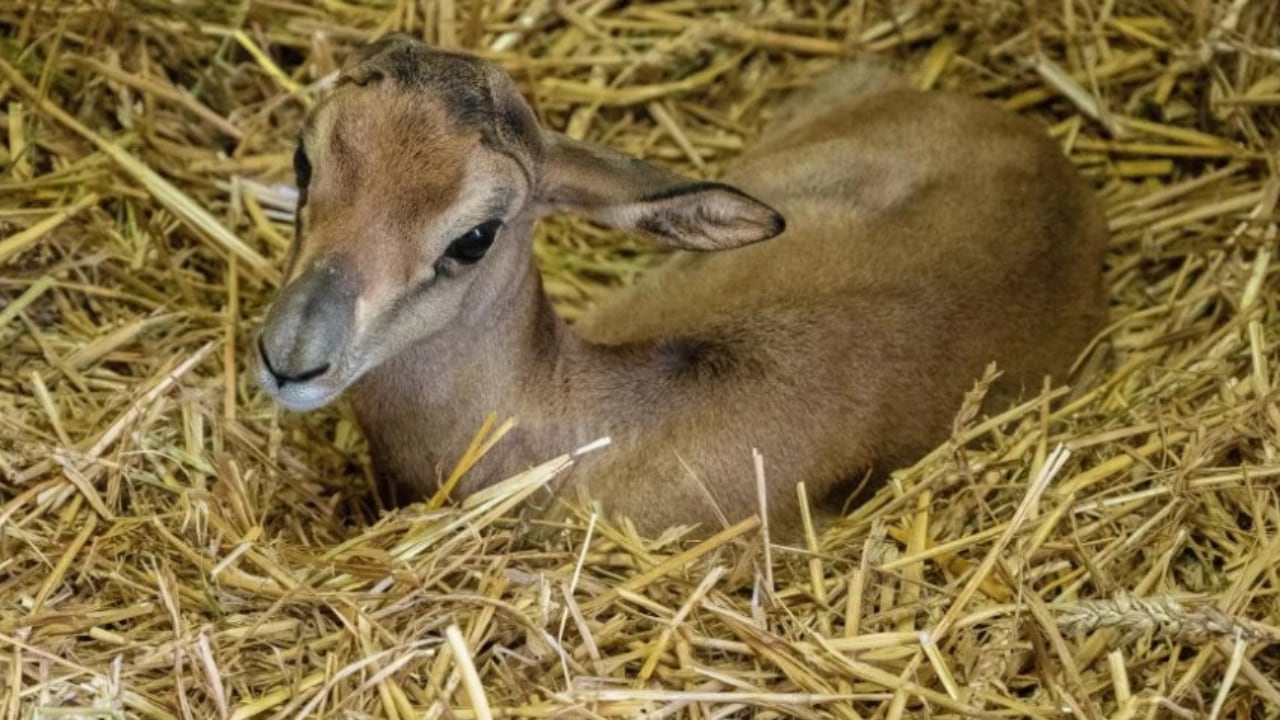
(170, 546)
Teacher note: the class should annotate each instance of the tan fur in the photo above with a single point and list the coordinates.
(928, 234)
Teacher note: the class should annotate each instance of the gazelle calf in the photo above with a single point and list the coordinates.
(926, 235)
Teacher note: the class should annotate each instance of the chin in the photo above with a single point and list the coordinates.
(306, 399)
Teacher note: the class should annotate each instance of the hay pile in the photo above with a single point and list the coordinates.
(170, 546)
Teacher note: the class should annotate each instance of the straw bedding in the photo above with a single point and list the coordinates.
(172, 546)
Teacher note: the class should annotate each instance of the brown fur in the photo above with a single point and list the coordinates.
(928, 235)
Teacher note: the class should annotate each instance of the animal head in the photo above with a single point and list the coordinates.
(419, 177)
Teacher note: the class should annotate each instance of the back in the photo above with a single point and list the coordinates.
(932, 217)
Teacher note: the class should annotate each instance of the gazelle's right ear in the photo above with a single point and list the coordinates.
(624, 192)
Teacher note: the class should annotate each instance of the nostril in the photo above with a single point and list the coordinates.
(284, 377)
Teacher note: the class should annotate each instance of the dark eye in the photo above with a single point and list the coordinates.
(301, 167)
(474, 243)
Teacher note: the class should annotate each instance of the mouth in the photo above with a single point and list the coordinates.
(301, 398)
(299, 394)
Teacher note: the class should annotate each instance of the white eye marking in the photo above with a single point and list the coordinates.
(426, 278)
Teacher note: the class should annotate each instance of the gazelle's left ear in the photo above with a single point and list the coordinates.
(624, 192)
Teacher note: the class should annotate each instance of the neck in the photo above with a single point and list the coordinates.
(421, 409)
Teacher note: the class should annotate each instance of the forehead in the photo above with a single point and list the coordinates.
(386, 129)
(460, 82)
(383, 157)
(403, 106)
(463, 92)
(387, 165)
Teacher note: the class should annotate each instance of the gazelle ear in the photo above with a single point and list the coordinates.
(377, 59)
(624, 192)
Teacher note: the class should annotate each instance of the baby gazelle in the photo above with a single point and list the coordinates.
(927, 235)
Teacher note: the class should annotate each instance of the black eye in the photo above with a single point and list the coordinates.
(301, 167)
(474, 243)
